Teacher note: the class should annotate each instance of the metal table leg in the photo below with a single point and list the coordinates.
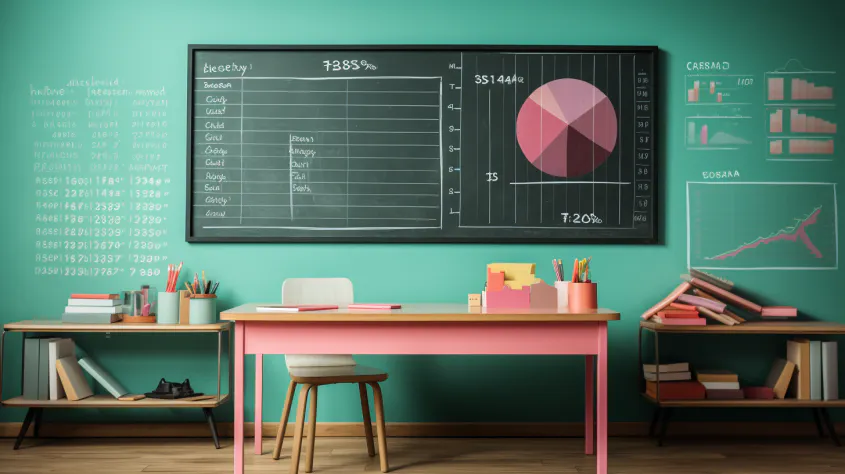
(30, 414)
(209, 416)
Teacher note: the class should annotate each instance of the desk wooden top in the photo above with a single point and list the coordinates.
(754, 327)
(420, 312)
(49, 325)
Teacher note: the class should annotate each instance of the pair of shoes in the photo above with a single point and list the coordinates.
(172, 390)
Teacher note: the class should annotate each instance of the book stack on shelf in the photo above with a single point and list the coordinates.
(702, 296)
(816, 369)
(93, 308)
(720, 384)
(675, 382)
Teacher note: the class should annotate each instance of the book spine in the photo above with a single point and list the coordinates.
(815, 370)
(31, 353)
(830, 369)
(700, 302)
(88, 318)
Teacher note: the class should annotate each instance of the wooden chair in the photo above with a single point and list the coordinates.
(313, 371)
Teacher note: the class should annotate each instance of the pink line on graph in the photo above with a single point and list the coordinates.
(799, 232)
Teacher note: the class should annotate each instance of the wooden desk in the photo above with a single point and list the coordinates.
(425, 329)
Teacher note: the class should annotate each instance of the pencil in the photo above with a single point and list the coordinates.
(188, 286)
(575, 272)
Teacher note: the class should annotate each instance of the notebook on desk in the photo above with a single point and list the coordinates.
(292, 308)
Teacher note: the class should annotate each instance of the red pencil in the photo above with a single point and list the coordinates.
(575, 272)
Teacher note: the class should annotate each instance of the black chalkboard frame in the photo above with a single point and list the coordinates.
(653, 239)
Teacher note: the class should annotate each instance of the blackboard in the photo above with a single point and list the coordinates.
(421, 144)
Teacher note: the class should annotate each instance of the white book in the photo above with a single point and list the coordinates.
(668, 377)
(58, 349)
(92, 309)
(92, 302)
(830, 368)
(721, 385)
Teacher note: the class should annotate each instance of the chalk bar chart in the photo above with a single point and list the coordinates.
(317, 144)
(762, 226)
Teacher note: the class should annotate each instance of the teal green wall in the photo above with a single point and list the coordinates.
(145, 43)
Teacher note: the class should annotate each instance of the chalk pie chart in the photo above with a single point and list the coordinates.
(567, 128)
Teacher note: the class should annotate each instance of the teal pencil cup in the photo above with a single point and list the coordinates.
(168, 308)
(203, 309)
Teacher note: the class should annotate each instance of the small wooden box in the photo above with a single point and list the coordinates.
(474, 300)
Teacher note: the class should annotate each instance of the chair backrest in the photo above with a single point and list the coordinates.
(318, 291)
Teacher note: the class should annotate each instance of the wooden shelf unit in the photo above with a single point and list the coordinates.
(36, 407)
(663, 407)
(108, 401)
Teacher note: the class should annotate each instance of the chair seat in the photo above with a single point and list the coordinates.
(328, 375)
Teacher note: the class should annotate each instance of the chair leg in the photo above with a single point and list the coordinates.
(382, 436)
(368, 423)
(312, 431)
(297, 434)
(283, 423)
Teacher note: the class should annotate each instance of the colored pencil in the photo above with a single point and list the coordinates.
(575, 272)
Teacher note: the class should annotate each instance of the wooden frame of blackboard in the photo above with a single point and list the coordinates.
(193, 48)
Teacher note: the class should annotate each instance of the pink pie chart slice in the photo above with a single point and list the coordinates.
(567, 128)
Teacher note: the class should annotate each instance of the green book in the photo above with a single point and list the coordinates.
(44, 367)
(102, 377)
(90, 318)
(31, 354)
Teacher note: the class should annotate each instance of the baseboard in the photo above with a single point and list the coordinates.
(411, 430)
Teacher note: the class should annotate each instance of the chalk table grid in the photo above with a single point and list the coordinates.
(426, 329)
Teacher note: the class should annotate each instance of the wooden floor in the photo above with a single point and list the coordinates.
(430, 456)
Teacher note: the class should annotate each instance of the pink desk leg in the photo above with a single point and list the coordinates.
(239, 398)
(259, 392)
(589, 404)
(601, 402)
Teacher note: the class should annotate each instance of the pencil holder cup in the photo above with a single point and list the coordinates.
(583, 297)
(203, 309)
(168, 308)
(562, 294)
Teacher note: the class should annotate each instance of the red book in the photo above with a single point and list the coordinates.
(679, 321)
(758, 393)
(292, 308)
(725, 394)
(682, 307)
(97, 296)
(780, 311)
(677, 314)
(374, 306)
(677, 390)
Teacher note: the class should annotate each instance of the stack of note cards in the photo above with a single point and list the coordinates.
(93, 308)
(702, 296)
(720, 384)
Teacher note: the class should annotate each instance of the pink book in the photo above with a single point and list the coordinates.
(727, 295)
(292, 308)
(782, 311)
(716, 306)
(679, 321)
(374, 306)
(509, 298)
(680, 290)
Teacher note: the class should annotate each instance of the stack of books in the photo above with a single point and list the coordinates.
(720, 384)
(714, 298)
(675, 382)
(93, 308)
